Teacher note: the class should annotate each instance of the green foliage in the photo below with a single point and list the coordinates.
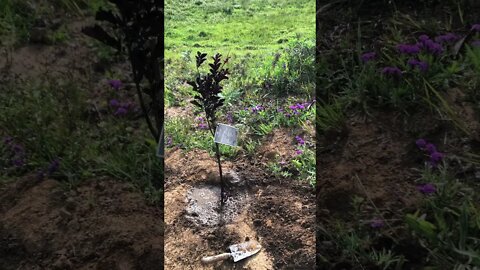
(449, 226)
(330, 116)
(259, 85)
(17, 17)
(56, 122)
(15, 21)
(305, 164)
(291, 72)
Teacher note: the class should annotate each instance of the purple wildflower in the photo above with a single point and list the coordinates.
(114, 103)
(408, 48)
(447, 38)
(169, 141)
(432, 47)
(475, 27)
(115, 84)
(298, 152)
(377, 223)
(282, 163)
(394, 71)
(300, 140)
(423, 66)
(121, 111)
(436, 157)
(279, 110)
(202, 126)
(229, 118)
(7, 140)
(421, 143)
(53, 167)
(18, 162)
(367, 57)
(423, 38)
(427, 189)
(17, 149)
(430, 148)
(257, 108)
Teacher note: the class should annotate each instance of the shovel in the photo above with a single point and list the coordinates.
(237, 252)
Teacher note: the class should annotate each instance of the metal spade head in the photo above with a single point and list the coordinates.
(244, 250)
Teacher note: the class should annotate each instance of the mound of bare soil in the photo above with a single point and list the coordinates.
(280, 215)
(100, 224)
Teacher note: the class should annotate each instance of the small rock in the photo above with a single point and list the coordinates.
(234, 179)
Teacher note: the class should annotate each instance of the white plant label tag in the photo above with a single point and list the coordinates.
(226, 134)
(161, 145)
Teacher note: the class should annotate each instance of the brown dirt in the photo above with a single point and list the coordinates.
(33, 60)
(101, 224)
(375, 158)
(280, 215)
(278, 144)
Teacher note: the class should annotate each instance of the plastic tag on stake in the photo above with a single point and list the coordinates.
(161, 145)
(226, 134)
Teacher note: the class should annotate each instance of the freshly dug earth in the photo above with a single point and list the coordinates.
(280, 215)
(100, 224)
(372, 159)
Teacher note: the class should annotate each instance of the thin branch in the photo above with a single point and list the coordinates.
(140, 97)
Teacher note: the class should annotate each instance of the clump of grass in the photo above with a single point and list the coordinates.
(64, 138)
(292, 71)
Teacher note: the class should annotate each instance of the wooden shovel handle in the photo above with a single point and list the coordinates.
(216, 258)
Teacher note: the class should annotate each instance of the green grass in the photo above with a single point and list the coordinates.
(51, 119)
(17, 17)
(271, 49)
(255, 26)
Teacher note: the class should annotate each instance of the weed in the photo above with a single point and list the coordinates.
(330, 117)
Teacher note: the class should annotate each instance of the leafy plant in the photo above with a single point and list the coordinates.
(208, 98)
(137, 28)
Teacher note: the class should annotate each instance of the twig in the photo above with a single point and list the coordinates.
(142, 102)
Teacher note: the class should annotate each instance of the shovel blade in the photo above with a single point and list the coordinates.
(244, 250)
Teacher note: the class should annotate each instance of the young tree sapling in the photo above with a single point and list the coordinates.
(207, 98)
